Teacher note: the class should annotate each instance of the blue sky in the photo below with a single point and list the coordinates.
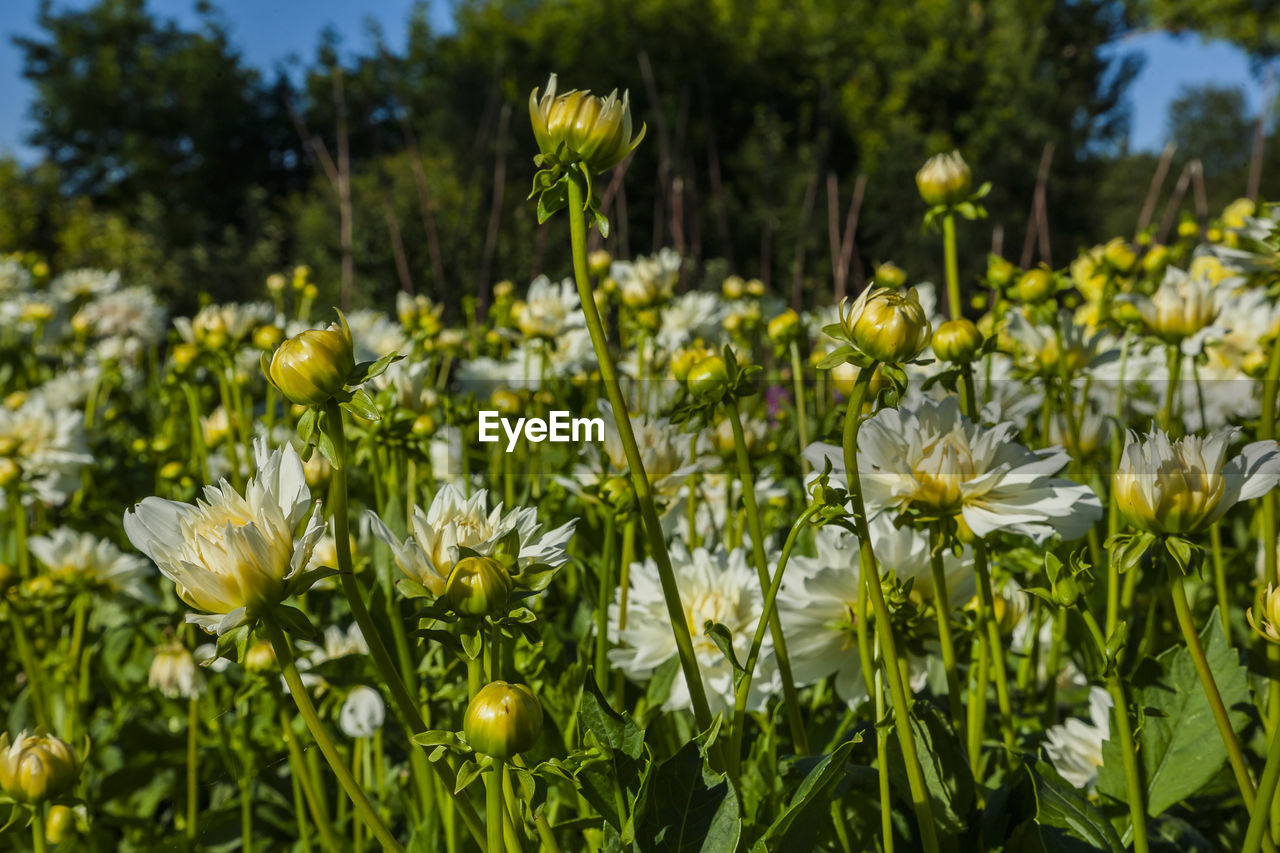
(267, 31)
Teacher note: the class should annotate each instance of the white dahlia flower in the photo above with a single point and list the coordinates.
(1075, 746)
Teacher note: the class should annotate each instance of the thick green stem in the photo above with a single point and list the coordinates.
(312, 797)
(790, 699)
(757, 642)
(942, 608)
(37, 830)
(1234, 756)
(377, 649)
(1270, 534)
(608, 583)
(494, 807)
(1128, 752)
(953, 266)
(1220, 579)
(802, 415)
(884, 628)
(1258, 816)
(284, 654)
(639, 479)
(1171, 392)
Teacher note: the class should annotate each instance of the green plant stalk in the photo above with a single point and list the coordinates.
(193, 767)
(494, 807)
(743, 689)
(608, 583)
(80, 611)
(978, 703)
(1258, 816)
(1128, 752)
(378, 651)
(246, 814)
(197, 431)
(540, 822)
(942, 608)
(319, 815)
(1220, 578)
(953, 267)
(986, 598)
(882, 757)
(1267, 430)
(1113, 511)
(639, 479)
(1174, 358)
(790, 698)
(1187, 625)
(624, 589)
(37, 830)
(802, 415)
(871, 577)
(284, 654)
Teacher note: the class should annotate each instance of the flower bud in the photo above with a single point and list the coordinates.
(784, 328)
(478, 586)
(888, 325)
(1119, 256)
(260, 658)
(1000, 272)
(503, 720)
(423, 426)
(267, 338)
(313, 366)
(1155, 260)
(58, 824)
(709, 378)
(580, 127)
(1188, 229)
(683, 360)
(9, 472)
(506, 401)
(184, 355)
(276, 283)
(598, 262)
(1066, 591)
(944, 179)
(1255, 363)
(1267, 621)
(733, 287)
(618, 492)
(1234, 214)
(755, 288)
(503, 291)
(957, 341)
(36, 768)
(1036, 285)
(890, 275)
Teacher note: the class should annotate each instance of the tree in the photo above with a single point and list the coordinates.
(1211, 123)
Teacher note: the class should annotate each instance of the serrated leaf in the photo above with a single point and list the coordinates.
(1179, 744)
(1062, 807)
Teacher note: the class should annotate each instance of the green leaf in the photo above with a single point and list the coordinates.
(294, 621)
(797, 827)
(467, 773)
(307, 424)
(328, 449)
(681, 810)
(1179, 744)
(438, 737)
(945, 767)
(723, 638)
(613, 729)
(837, 357)
(1060, 806)
(362, 405)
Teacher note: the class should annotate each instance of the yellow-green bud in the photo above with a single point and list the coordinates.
(15, 400)
(1255, 363)
(1267, 621)
(888, 325)
(423, 426)
(708, 377)
(507, 402)
(1066, 591)
(755, 287)
(944, 179)
(503, 291)
(683, 361)
(1213, 235)
(267, 338)
(478, 586)
(36, 768)
(733, 287)
(503, 720)
(1119, 256)
(1188, 229)
(1155, 260)
(9, 472)
(184, 355)
(598, 262)
(313, 366)
(784, 328)
(890, 275)
(260, 658)
(171, 470)
(617, 491)
(1000, 271)
(957, 341)
(60, 821)
(1036, 285)
(580, 127)
(1234, 214)
(276, 283)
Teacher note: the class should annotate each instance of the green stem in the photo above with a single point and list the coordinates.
(871, 578)
(1113, 511)
(37, 830)
(494, 807)
(193, 767)
(1187, 625)
(377, 649)
(942, 608)
(952, 264)
(1258, 816)
(608, 584)
(284, 654)
(757, 642)
(802, 415)
(1267, 430)
(639, 479)
(1170, 398)
(313, 798)
(1220, 578)
(1128, 752)
(789, 695)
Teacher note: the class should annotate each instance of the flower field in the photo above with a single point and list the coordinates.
(626, 565)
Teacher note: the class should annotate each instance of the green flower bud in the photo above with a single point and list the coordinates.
(260, 658)
(888, 325)
(957, 341)
(733, 287)
(503, 720)
(784, 328)
(598, 262)
(478, 586)
(61, 820)
(580, 127)
(708, 378)
(944, 179)
(1000, 271)
(1066, 591)
(313, 366)
(1119, 256)
(36, 768)
(890, 275)
(1155, 260)
(1036, 285)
